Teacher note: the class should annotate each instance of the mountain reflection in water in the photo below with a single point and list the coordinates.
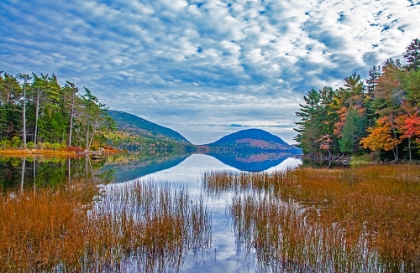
(129, 167)
(44, 171)
(180, 170)
(251, 162)
(226, 253)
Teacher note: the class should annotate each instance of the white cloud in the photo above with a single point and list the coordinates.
(219, 62)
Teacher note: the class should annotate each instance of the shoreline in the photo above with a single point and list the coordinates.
(64, 153)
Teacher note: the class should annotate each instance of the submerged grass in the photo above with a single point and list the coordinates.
(364, 219)
(146, 226)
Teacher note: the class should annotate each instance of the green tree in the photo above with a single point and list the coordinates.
(10, 94)
(355, 88)
(70, 90)
(411, 85)
(372, 81)
(412, 55)
(308, 130)
(94, 116)
(318, 116)
(39, 84)
(352, 132)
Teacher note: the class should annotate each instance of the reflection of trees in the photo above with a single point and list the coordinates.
(22, 180)
(46, 172)
(131, 166)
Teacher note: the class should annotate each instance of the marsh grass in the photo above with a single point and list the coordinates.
(161, 223)
(145, 226)
(363, 219)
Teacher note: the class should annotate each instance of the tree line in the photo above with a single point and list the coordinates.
(35, 111)
(380, 113)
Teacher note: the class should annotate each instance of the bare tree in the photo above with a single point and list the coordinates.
(25, 78)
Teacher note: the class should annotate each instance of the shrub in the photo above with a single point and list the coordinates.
(16, 142)
(5, 144)
(46, 146)
(56, 146)
(94, 147)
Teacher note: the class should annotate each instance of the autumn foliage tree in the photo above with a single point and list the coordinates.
(381, 137)
(382, 115)
(325, 143)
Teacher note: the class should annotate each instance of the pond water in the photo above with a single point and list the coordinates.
(183, 170)
(225, 254)
(174, 212)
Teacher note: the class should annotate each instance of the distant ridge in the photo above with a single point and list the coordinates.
(252, 139)
(132, 123)
(155, 135)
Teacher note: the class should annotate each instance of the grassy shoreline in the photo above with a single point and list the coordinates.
(357, 219)
(82, 228)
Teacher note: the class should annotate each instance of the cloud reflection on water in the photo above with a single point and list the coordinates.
(224, 255)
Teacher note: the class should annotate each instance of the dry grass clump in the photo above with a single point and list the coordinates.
(145, 226)
(160, 224)
(41, 230)
(354, 219)
(285, 241)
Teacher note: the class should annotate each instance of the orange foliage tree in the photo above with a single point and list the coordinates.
(409, 126)
(381, 137)
(325, 143)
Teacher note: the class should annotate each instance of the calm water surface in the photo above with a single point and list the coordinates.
(184, 170)
(226, 255)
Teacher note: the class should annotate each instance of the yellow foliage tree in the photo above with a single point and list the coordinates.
(381, 137)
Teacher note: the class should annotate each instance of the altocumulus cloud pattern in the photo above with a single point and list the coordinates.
(205, 68)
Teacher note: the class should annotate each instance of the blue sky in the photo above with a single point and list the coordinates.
(205, 68)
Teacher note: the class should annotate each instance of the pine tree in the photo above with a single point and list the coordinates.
(412, 55)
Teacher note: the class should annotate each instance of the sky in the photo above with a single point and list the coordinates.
(205, 68)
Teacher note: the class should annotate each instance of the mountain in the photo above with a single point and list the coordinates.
(138, 132)
(252, 139)
(144, 128)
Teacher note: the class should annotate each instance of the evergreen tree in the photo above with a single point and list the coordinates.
(412, 55)
(372, 81)
(352, 132)
(308, 130)
(11, 118)
(43, 111)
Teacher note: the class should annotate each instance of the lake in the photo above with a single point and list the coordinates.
(161, 211)
(180, 170)
(226, 255)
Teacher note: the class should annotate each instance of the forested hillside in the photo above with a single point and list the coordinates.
(126, 121)
(379, 114)
(134, 132)
(35, 111)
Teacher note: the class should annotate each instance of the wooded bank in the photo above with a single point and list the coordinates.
(379, 115)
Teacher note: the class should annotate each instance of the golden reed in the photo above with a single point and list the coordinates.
(364, 219)
(146, 226)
